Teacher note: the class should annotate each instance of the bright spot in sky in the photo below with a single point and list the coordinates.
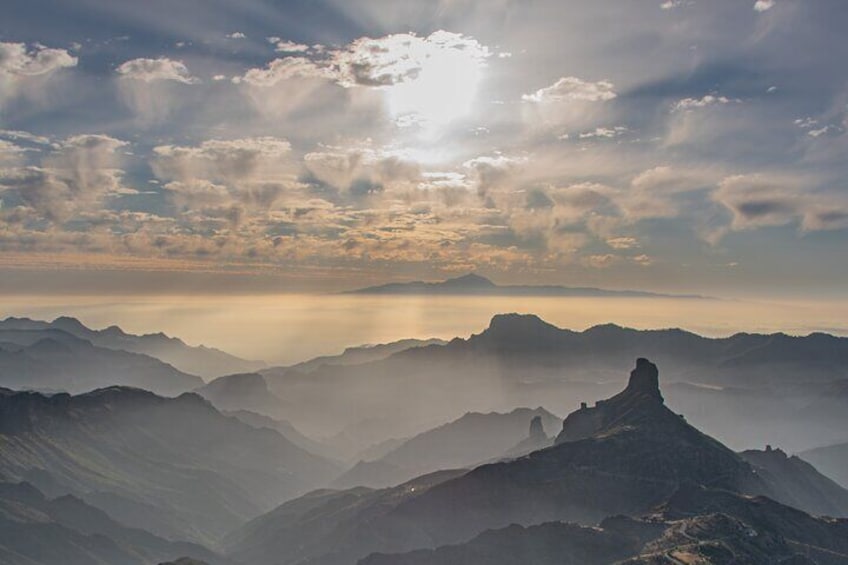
(444, 87)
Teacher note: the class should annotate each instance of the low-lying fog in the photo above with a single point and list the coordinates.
(284, 329)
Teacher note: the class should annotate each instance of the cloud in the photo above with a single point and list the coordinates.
(286, 46)
(763, 5)
(236, 35)
(151, 70)
(18, 61)
(759, 201)
(368, 62)
(570, 89)
(703, 102)
(75, 178)
(286, 69)
(671, 4)
(226, 177)
(603, 132)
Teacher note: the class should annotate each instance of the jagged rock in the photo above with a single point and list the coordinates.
(537, 430)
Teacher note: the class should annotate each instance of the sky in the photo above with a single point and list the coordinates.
(273, 145)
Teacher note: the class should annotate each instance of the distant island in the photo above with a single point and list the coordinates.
(473, 284)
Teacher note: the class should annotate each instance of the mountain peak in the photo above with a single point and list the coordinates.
(471, 280)
(645, 379)
(640, 404)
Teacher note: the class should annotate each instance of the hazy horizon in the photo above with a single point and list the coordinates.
(289, 328)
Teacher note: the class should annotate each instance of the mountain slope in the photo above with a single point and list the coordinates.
(244, 391)
(175, 466)
(66, 530)
(53, 359)
(832, 460)
(472, 439)
(696, 526)
(627, 455)
(200, 360)
(737, 395)
(801, 484)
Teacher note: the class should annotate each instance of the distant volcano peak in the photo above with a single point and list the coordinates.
(470, 280)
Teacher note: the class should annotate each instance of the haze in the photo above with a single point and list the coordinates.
(291, 328)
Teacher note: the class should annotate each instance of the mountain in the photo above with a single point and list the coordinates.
(832, 460)
(625, 455)
(173, 466)
(358, 355)
(324, 525)
(200, 360)
(472, 439)
(697, 526)
(801, 484)
(244, 391)
(472, 284)
(536, 439)
(67, 531)
(53, 359)
(726, 386)
(287, 430)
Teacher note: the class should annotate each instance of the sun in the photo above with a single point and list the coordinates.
(443, 90)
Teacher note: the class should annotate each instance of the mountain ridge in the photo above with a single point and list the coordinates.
(473, 284)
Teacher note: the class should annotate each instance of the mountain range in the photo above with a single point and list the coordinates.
(473, 284)
(173, 466)
(203, 361)
(472, 439)
(745, 389)
(629, 454)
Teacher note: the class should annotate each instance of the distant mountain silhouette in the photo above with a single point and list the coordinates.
(244, 391)
(175, 467)
(55, 360)
(472, 439)
(203, 361)
(67, 531)
(287, 430)
(726, 386)
(625, 455)
(800, 483)
(832, 460)
(473, 284)
(359, 354)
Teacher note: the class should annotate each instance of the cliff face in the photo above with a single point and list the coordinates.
(640, 400)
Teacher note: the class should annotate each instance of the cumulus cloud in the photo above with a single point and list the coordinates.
(23, 69)
(17, 60)
(570, 89)
(359, 173)
(286, 46)
(759, 201)
(763, 5)
(285, 69)
(150, 70)
(703, 102)
(76, 177)
(229, 177)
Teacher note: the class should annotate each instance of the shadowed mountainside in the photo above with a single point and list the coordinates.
(204, 361)
(472, 439)
(832, 460)
(55, 360)
(67, 531)
(176, 467)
